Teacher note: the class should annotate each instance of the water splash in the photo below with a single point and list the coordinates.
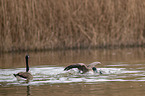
(51, 75)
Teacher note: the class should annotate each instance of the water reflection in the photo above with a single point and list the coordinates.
(123, 73)
(28, 90)
(63, 58)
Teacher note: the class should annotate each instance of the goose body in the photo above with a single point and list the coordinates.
(25, 75)
(82, 67)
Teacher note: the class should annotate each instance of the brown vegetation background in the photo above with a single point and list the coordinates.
(63, 24)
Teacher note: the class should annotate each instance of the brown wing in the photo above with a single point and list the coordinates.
(25, 75)
(93, 64)
(80, 66)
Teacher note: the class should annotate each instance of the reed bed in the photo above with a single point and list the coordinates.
(68, 24)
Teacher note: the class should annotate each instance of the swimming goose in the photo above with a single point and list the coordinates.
(84, 68)
(25, 75)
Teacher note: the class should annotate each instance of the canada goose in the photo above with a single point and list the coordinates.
(84, 68)
(25, 75)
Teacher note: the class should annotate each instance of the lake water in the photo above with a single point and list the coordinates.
(123, 73)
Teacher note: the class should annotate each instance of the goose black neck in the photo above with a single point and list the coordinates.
(27, 66)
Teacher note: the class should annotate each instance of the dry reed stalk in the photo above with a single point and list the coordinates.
(55, 24)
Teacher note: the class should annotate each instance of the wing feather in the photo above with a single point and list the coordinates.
(78, 65)
(93, 64)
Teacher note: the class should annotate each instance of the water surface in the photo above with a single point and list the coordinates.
(123, 73)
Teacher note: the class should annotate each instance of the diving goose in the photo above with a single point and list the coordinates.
(25, 75)
(84, 68)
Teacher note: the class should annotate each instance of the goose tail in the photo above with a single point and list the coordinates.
(15, 75)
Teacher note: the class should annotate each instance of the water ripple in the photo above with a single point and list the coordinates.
(51, 75)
